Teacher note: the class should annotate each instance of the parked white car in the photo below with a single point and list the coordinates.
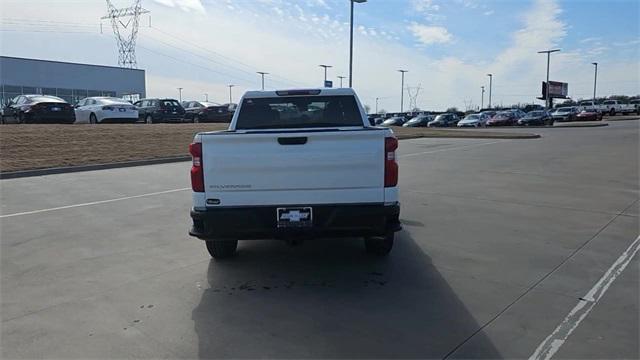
(474, 120)
(95, 110)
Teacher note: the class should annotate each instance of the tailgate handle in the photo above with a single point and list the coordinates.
(292, 140)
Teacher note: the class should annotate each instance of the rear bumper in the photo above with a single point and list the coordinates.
(245, 223)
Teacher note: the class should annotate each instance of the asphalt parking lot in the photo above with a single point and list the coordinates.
(501, 239)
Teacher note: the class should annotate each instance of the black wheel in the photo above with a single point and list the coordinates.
(220, 249)
(148, 119)
(196, 119)
(93, 119)
(379, 245)
(612, 112)
(20, 118)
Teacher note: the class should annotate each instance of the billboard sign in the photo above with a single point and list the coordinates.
(328, 83)
(556, 89)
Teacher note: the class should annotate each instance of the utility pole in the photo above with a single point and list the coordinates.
(402, 90)
(262, 73)
(351, 42)
(230, 97)
(548, 52)
(325, 72)
(482, 101)
(206, 97)
(490, 86)
(125, 26)
(180, 94)
(341, 77)
(595, 80)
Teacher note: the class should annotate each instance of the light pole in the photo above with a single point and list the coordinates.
(595, 79)
(490, 86)
(230, 98)
(351, 42)
(482, 101)
(180, 94)
(341, 77)
(548, 52)
(262, 73)
(206, 97)
(402, 90)
(325, 71)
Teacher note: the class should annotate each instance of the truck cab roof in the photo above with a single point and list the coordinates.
(299, 92)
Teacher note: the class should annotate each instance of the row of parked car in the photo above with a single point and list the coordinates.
(512, 117)
(94, 110)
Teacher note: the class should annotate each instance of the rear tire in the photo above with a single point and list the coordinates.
(148, 119)
(380, 246)
(220, 249)
(196, 119)
(612, 112)
(93, 119)
(20, 118)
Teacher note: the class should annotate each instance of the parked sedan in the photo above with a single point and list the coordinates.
(444, 120)
(419, 121)
(202, 111)
(503, 118)
(474, 120)
(568, 113)
(394, 121)
(589, 115)
(160, 110)
(95, 110)
(38, 109)
(536, 118)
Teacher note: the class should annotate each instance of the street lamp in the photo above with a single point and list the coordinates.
(595, 79)
(180, 94)
(351, 42)
(325, 71)
(341, 77)
(482, 101)
(262, 73)
(548, 52)
(230, 98)
(402, 90)
(490, 86)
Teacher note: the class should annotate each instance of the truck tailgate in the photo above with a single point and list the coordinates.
(294, 168)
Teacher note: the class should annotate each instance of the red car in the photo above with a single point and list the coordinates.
(589, 115)
(503, 118)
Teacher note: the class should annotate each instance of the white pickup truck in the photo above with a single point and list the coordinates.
(320, 171)
(613, 107)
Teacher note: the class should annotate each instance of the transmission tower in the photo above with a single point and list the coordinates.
(125, 26)
(413, 93)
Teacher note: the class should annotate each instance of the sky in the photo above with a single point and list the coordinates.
(448, 47)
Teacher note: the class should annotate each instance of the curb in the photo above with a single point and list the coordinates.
(116, 165)
(80, 168)
(598, 124)
(478, 136)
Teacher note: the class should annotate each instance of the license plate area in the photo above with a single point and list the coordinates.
(294, 217)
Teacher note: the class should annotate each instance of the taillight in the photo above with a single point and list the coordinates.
(390, 164)
(197, 173)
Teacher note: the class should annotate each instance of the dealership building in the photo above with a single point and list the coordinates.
(70, 81)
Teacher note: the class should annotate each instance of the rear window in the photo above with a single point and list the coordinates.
(298, 112)
(169, 103)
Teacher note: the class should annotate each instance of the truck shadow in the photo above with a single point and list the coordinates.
(329, 299)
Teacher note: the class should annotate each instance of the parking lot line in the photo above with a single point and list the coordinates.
(559, 336)
(92, 203)
(453, 148)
